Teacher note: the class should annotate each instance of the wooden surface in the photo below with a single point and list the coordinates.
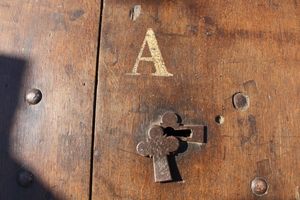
(52, 46)
(208, 51)
(214, 49)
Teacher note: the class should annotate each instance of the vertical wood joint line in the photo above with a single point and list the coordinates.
(95, 103)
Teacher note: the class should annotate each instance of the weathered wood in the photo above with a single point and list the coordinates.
(51, 46)
(213, 49)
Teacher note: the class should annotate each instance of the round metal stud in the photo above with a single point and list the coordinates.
(241, 101)
(25, 178)
(33, 96)
(219, 119)
(48, 196)
(259, 186)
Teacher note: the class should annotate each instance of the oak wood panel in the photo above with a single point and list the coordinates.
(52, 46)
(214, 49)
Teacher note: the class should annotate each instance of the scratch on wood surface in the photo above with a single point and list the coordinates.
(251, 86)
(224, 155)
(297, 195)
(272, 3)
(133, 153)
(252, 136)
(135, 12)
(264, 167)
(111, 77)
(295, 4)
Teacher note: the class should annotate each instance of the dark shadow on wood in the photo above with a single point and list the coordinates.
(183, 146)
(205, 134)
(176, 177)
(11, 75)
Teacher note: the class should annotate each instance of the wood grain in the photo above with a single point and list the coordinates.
(52, 46)
(214, 49)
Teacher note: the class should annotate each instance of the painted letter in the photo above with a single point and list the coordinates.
(156, 56)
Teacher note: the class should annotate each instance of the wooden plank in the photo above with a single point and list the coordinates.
(51, 46)
(213, 49)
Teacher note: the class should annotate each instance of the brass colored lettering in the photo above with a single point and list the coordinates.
(156, 56)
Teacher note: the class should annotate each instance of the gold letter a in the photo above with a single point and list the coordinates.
(156, 58)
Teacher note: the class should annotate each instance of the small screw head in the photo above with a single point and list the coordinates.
(25, 178)
(48, 196)
(259, 186)
(33, 96)
(220, 119)
(241, 101)
(207, 33)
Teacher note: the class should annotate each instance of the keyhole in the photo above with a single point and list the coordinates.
(169, 131)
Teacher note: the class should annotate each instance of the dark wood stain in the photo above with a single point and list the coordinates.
(59, 22)
(264, 167)
(75, 14)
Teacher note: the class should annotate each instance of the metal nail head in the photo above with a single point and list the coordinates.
(33, 96)
(25, 178)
